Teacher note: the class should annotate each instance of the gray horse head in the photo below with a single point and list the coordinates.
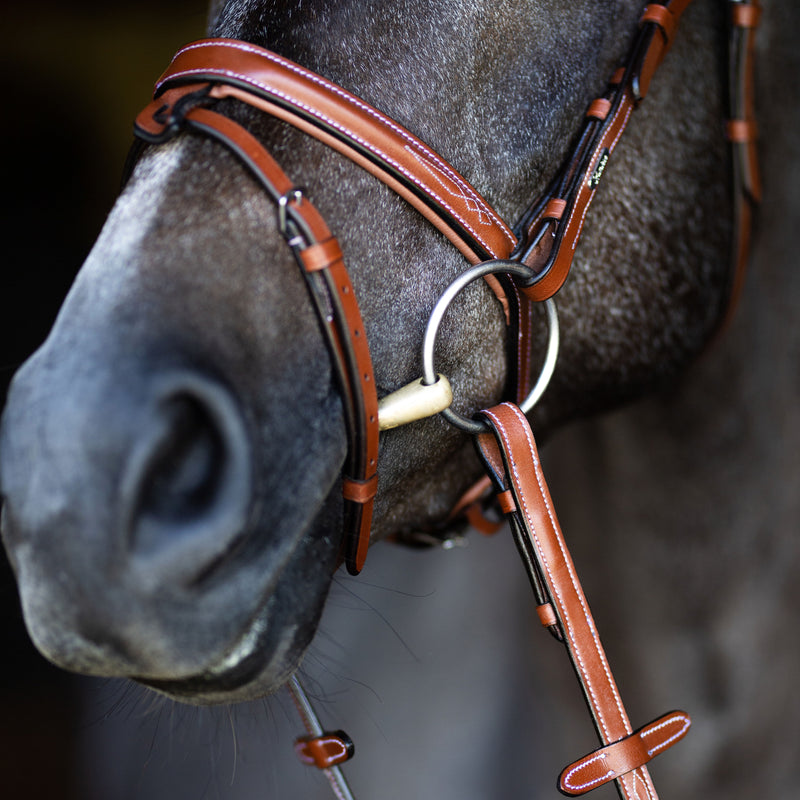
(171, 456)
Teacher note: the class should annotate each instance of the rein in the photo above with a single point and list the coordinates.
(525, 264)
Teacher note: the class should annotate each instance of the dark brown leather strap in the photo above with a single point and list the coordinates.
(512, 460)
(742, 132)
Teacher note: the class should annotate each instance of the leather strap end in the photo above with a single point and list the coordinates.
(599, 108)
(614, 760)
(555, 208)
(547, 615)
(325, 751)
(506, 501)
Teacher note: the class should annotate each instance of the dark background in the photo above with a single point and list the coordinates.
(74, 76)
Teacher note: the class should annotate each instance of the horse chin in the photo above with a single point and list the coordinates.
(272, 646)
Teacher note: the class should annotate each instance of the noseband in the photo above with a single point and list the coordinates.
(525, 264)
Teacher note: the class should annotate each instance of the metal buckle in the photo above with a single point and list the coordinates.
(294, 238)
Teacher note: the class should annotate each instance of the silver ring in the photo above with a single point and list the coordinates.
(435, 320)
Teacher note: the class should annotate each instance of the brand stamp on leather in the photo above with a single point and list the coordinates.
(594, 178)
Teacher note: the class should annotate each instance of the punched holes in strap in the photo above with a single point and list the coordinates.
(617, 759)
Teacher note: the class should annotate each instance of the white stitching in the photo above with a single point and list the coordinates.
(643, 777)
(677, 718)
(579, 786)
(429, 155)
(469, 199)
(594, 155)
(573, 579)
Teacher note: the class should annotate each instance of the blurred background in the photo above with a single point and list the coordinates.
(75, 75)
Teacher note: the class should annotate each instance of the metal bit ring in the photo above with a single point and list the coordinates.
(435, 320)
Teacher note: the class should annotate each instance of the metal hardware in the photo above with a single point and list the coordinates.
(295, 195)
(415, 400)
(461, 282)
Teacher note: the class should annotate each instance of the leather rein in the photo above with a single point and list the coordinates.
(525, 264)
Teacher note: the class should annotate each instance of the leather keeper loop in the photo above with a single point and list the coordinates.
(741, 131)
(599, 108)
(662, 17)
(506, 501)
(359, 491)
(321, 255)
(745, 15)
(325, 751)
(634, 751)
(547, 616)
(554, 209)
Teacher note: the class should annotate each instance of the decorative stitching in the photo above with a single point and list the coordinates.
(429, 155)
(573, 579)
(580, 786)
(469, 199)
(677, 718)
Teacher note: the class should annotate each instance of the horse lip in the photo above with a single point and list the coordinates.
(239, 668)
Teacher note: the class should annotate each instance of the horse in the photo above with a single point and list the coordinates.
(209, 491)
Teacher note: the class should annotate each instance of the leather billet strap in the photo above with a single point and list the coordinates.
(549, 231)
(512, 461)
(742, 132)
(320, 258)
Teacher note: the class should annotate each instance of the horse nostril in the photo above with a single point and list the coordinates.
(187, 467)
(188, 485)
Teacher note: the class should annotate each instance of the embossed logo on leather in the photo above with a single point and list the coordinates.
(597, 173)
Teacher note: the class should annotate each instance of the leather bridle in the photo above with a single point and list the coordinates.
(524, 265)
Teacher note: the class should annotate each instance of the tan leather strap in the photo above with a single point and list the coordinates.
(320, 257)
(353, 127)
(547, 240)
(614, 760)
(512, 460)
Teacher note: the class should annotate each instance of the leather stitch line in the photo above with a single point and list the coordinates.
(584, 765)
(353, 136)
(639, 777)
(430, 155)
(594, 156)
(470, 199)
(618, 702)
(574, 580)
(681, 718)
